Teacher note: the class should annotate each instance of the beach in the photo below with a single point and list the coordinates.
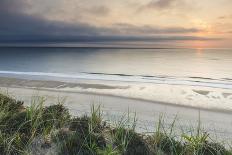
(120, 78)
(148, 83)
(218, 122)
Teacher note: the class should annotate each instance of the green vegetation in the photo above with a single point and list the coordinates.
(51, 130)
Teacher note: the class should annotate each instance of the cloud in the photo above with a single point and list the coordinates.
(16, 6)
(34, 29)
(165, 6)
(22, 24)
(14, 22)
(225, 17)
(22, 27)
(99, 10)
(148, 30)
(160, 3)
(18, 26)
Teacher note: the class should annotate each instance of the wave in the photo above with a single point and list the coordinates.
(225, 83)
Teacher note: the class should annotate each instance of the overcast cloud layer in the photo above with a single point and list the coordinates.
(88, 21)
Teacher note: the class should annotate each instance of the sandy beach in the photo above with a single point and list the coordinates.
(121, 78)
(216, 122)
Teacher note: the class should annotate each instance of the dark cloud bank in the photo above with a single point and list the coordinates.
(17, 26)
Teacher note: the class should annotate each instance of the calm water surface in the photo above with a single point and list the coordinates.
(205, 63)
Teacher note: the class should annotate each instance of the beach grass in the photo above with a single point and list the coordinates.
(39, 129)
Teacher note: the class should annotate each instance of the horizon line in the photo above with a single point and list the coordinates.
(106, 47)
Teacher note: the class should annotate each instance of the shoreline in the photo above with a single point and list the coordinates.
(60, 86)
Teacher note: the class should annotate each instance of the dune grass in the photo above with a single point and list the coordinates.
(52, 130)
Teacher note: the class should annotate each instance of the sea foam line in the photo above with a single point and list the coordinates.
(132, 78)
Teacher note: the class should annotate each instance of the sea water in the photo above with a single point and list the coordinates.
(192, 77)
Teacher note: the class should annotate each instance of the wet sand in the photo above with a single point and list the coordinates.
(14, 82)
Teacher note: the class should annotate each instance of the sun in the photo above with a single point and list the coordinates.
(204, 27)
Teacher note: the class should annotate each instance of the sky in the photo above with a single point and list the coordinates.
(156, 23)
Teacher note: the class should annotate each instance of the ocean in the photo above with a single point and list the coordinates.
(193, 77)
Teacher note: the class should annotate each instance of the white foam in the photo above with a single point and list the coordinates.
(174, 90)
(214, 83)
